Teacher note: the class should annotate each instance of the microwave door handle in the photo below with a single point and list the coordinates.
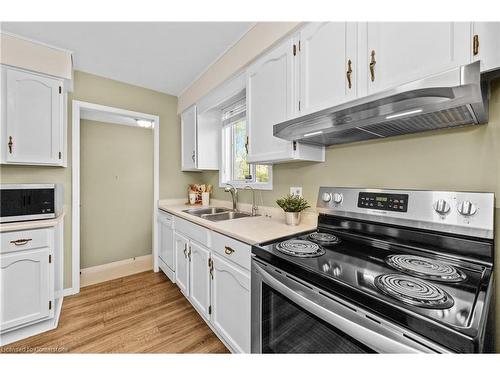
(379, 342)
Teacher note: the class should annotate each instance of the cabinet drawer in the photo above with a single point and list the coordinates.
(234, 250)
(192, 231)
(165, 218)
(26, 239)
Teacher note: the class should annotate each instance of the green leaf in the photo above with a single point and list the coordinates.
(293, 203)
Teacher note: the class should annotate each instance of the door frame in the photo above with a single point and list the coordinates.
(77, 107)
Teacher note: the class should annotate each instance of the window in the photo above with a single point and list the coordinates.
(235, 168)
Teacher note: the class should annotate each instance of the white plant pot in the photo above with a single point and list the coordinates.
(292, 218)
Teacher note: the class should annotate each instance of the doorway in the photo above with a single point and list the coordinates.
(100, 123)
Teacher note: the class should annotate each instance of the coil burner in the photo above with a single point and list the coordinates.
(425, 268)
(300, 248)
(414, 291)
(325, 239)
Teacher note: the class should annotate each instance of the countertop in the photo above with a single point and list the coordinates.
(34, 224)
(251, 230)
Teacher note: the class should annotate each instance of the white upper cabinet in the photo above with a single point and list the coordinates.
(397, 53)
(486, 44)
(188, 135)
(33, 123)
(200, 139)
(272, 98)
(328, 59)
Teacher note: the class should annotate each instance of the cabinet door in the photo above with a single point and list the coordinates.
(181, 244)
(34, 119)
(166, 241)
(270, 100)
(199, 278)
(404, 52)
(327, 53)
(487, 48)
(25, 288)
(188, 135)
(231, 303)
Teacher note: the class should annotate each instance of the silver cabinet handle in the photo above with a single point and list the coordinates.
(193, 156)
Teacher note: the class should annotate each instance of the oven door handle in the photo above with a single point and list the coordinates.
(350, 322)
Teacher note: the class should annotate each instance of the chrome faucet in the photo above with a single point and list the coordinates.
(234, 194)
(254, 206)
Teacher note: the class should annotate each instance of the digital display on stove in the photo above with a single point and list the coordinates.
(383, 201)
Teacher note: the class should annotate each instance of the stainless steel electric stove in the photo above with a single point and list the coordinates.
(386, 271)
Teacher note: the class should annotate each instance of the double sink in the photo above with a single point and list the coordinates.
(216, 213)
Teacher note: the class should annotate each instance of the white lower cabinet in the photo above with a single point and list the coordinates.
(199, 278)
(231, 303)
(26, 278)
(181, 244)
(213, 272)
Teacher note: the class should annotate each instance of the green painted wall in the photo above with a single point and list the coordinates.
(116, 176)
(466, 159)
(99, 90)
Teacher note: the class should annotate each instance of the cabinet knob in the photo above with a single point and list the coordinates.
(10, 144)
(228, 250)
(193, 156)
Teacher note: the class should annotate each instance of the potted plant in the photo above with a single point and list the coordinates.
(293, 205)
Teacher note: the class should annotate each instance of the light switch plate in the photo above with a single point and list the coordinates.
(296, 190)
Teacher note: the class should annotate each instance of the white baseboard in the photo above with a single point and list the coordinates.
(68, 292)
(115, 270)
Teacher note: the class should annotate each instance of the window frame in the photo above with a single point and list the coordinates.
(227, 163)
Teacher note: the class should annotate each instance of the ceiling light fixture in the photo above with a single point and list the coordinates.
(144, 123)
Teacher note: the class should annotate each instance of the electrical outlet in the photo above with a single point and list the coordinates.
(296, 190)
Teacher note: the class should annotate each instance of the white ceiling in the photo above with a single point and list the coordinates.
(163, 56)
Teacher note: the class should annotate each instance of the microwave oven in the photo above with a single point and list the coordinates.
(24, 202)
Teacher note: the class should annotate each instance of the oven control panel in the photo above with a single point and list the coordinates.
(383, 201)
(458, 212)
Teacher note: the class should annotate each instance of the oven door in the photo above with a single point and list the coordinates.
(291, 316)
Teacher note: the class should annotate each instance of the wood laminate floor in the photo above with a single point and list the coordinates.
(142, 313)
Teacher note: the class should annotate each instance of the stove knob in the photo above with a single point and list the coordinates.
(441, 207)
(326, 197)
(467, 208)
(337, 198)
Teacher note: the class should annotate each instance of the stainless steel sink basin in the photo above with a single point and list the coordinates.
(206, 211)
(229, 215)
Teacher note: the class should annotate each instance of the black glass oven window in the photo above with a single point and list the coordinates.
(288, 328)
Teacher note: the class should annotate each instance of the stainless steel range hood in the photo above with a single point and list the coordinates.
(453, 98)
